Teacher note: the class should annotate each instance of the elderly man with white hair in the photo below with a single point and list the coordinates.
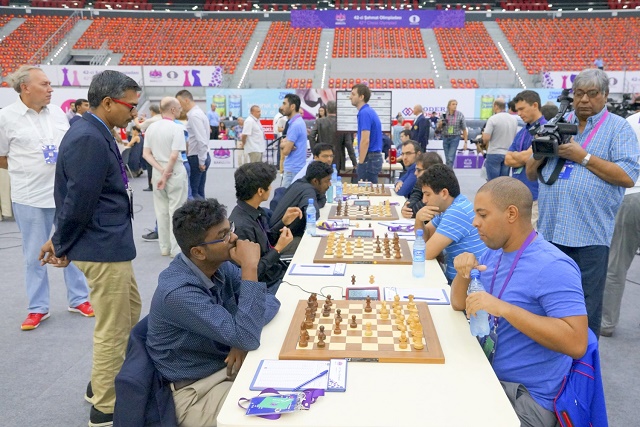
(30, 133)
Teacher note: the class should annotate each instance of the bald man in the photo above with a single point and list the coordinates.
(420, 128)
(533, 296)
(163, 147)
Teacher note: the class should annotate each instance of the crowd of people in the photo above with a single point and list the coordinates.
(553, 241)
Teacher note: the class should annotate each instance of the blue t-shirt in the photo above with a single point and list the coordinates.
(368, 120)
(522, 142)
(408, 181)
(545, 282)
(296, 133)
(214, 118)
(455, 223)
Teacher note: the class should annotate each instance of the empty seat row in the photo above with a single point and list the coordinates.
(288, 48)
(404, 83)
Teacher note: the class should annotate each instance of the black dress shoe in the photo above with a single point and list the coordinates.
(148, 189)
(100, 419)
(88, 395)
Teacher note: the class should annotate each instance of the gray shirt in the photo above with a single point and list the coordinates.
(503, 128)
(198, 129)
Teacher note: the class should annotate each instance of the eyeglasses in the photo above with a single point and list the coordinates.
(579, 94)
(129, 106)
(225, 238)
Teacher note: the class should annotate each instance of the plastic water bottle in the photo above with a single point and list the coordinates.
(332, 187)
(338, 194)
(419, 249)
(311, 219)
(479, 322)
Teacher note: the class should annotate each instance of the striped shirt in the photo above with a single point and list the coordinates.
(580, 211)
(455, 223)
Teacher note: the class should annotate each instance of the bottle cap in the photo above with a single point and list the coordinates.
(475, 274)
(339, 178)
(311, 201)
(419, 233)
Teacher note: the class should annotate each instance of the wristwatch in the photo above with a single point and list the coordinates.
(586, 159)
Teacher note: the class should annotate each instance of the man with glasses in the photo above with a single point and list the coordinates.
(94, 209)
(206, 313)
(577, 212)
(410, 150)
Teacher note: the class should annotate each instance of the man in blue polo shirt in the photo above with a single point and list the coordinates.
(294, 146)
(528, 107)
(449, 229)
(369, 135)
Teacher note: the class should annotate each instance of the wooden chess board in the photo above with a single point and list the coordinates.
(382, 346)
(368, 190)
(376, 213)
(364, 255)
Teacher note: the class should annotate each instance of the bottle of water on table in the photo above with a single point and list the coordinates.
(311, 219)
(419, 249)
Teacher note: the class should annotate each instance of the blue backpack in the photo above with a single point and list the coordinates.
(580, 401)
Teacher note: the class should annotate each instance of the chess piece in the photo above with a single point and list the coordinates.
(349, 249)
(403, 341)
(359, 242)
(308, 322)
(303, 341)
(338, 314)
(367, 331)
(314, 298)
(337, 329)
(367, 308)
(312, 310)
(326, 310)
(387, 253)
(353, 323)
(371, 279)
(328, 301)
(378, 248)
(397, 255)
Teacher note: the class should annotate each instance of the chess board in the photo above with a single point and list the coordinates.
(376, 213)
(362, 190)
(364, 255)
(351, 343)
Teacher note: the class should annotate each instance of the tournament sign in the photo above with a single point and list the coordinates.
(347, 114)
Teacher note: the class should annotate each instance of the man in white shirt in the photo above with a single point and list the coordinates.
(253, 136)
(30, 133)
(197, 144)
(163, 145)
(498, 135)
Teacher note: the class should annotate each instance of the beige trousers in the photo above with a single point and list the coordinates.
(255, 157)
(116, 303)
(5, 194)
(166, 202)
(198, 404)
(534, 215)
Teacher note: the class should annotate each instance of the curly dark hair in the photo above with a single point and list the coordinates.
(439, 177)
(192, 221)
(252, 176)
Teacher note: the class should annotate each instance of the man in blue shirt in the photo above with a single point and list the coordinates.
(534, 299)
(410, 151)
(206, 313)
(369, 135)
(446, 218)
(294, 145)
(527, 105)
(578, 211)
(214, 121)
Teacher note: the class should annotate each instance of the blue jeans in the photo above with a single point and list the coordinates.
(450, 146)
(369, 170)
(494, 164)
(592, 262)
(187, 166)
(35, 225)
(198, 178)
(287, 178)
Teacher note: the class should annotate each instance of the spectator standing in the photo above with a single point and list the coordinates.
(294, 146)
(253, 139)
(214, 121)
(452, 125)
(82, 106)
(577, 212)
(198, 143)
(369, 135)
(30, 133)
(325, 131)
(498, 136)
(420, 129)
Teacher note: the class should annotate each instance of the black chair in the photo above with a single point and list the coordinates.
(126, 153)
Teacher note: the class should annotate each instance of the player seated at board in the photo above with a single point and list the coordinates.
(322, 153)
(414, 201)
(206, 313)
(313, 186)
(410, 151)
(446, 218)
(253, 187)
(536, 300)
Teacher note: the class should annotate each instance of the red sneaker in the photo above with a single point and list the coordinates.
(33, 321)
(85, 309)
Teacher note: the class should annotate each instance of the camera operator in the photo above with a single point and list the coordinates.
(577, 212)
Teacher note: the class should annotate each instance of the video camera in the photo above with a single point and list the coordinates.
(557, 131)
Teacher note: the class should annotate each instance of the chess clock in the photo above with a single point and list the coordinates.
(361, 293)
(362, 202)
(366, 233)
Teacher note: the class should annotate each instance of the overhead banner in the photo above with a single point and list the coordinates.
(377, 18)
(619, 81)
(182, 76)
(81, 75)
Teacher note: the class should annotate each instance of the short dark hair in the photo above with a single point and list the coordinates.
(414, 144)
(439, 177)
(250, 177)
(528, 96)
(109, 83)
(429, 159)
(549, 111)
(319, 148)
(293, 99)
(318, 170)
(512, 106)
(192, 221)
(136, 128)
(185, 94)
(79, 102)
(406, 132)
(362, 90)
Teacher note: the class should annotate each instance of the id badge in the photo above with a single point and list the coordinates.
(518, 171)
(50, 153)
(450, 130)
(565, 173)
(130, 191)
(490, 343)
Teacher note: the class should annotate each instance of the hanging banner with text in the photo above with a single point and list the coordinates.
(81, 75)
(377, 18)
(619, 81)
(182, 76)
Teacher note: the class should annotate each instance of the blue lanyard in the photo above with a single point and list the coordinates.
(123, 171)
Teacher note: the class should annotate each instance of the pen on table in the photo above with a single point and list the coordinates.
(315, 266)
(320, 375)
(422, 298)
